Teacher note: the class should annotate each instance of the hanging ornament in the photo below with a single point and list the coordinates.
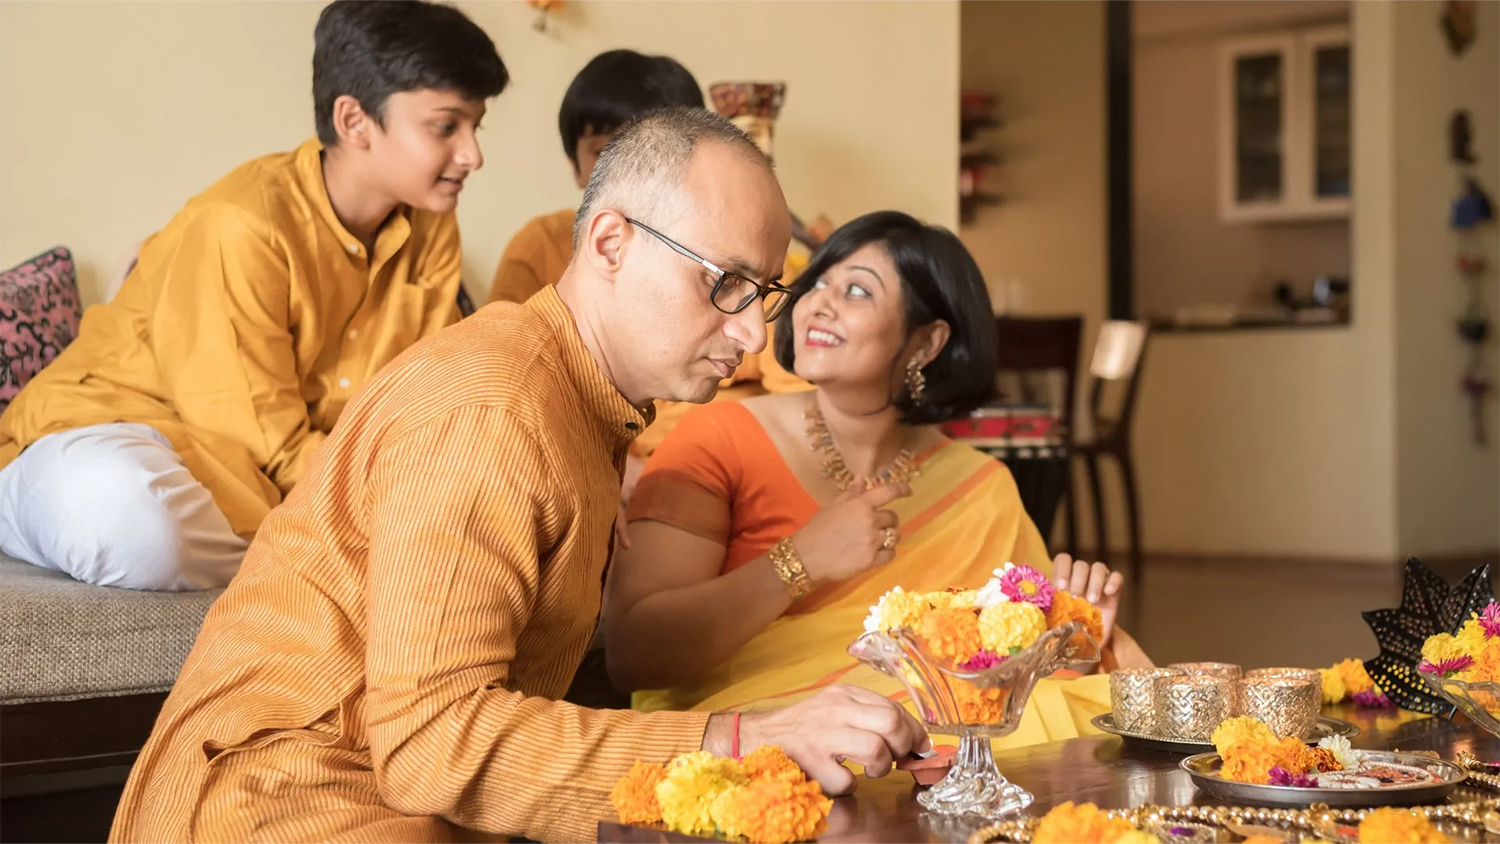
(544, 8)
(1458, 24)
(1461, 137)
(1472, 207)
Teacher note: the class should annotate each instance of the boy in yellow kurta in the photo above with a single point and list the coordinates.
(387, 665)
(149, 452)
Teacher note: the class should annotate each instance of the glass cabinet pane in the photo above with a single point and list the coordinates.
(1258, 88)
(1331, 122)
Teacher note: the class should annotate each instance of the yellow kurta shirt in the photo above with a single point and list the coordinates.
(537, 256)
(246, 325)
(387, 662)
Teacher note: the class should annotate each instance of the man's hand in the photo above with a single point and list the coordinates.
(841, 722)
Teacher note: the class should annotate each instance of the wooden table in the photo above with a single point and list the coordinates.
(1099, 770)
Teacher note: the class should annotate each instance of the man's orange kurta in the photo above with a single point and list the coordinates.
(247, 324)
(387, 663)
(538, 254)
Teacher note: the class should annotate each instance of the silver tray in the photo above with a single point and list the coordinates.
(1325, 727)
(1204, 769)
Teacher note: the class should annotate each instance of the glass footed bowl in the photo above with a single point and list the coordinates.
(992, 700)
(1480, 701)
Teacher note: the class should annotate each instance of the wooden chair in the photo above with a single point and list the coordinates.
(1115, 368)
(1029, 346)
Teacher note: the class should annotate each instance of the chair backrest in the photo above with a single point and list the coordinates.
(1039, 344)
(1117, 359)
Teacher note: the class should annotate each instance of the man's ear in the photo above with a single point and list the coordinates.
(352, 122)
(605, 238)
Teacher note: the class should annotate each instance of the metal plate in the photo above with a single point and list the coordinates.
(1325, 727)
(1204, 769)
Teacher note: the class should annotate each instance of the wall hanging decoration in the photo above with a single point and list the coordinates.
(1458, 24)
(544, 10)
(1470, 209)
(976, 114)
(754, 107)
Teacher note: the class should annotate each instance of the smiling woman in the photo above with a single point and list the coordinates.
(801, 510)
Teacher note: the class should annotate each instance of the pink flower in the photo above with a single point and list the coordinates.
(1447, 666)
(1281, 776)
(1372, 699)
(982, 660)
(1490, 621)
(1024, 583)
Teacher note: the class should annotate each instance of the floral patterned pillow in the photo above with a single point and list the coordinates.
(39, 316)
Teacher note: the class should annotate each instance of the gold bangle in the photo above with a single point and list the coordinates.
(789, 568)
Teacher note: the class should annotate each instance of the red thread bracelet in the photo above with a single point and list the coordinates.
(734, 748)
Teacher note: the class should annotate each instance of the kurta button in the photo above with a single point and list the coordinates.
(344, 383)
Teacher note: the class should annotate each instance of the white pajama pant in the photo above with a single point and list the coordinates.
(114, 505)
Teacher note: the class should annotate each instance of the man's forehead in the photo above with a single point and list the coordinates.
(740, 219)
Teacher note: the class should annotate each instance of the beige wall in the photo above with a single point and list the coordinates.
(1184, 253)
(112, 114)
(1448, 489)
(1045, 61)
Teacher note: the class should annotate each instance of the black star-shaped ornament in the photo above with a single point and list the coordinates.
(1428, 606)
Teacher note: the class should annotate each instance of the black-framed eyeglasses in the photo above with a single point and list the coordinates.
(732, 292)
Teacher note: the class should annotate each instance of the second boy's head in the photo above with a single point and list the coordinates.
(401, 86)
(613, 89)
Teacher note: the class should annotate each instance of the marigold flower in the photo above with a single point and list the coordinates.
(953, 599)
(1471, 638)
(693, 782)
(896, 609)
(772, 810)
(768, 760)
(1356, 679)
(952, 635)
(979, 706)
(1243, 728)
(1083, 824)
(1250, 761)
(1068, 607)
(1010, 627)
(1398, 826)
(634, 796)
(1334, 690)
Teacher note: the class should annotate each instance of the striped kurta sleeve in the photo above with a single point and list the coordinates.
(459, 535)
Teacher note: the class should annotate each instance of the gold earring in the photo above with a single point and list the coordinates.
(916, 382)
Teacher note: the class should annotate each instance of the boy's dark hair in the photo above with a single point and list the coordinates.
(371, 49)
(939, 280)
(616, 87)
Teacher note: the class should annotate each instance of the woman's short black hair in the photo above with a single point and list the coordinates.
(615, 88)
(939, 280)
(371, 49)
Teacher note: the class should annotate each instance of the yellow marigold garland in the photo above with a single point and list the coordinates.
(1004, 628)
(766, 798)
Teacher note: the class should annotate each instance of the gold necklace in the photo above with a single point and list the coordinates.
(901, 470)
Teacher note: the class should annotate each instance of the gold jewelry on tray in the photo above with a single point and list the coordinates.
(789, 568)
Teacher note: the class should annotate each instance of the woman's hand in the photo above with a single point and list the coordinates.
(852, 534)
(1094, 583)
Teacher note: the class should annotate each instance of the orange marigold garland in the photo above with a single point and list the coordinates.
(1067, 607)
(634, 796)
(1398, 826)
(1086, 823)
(768, 760)
(773, 810)
(950, 634)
